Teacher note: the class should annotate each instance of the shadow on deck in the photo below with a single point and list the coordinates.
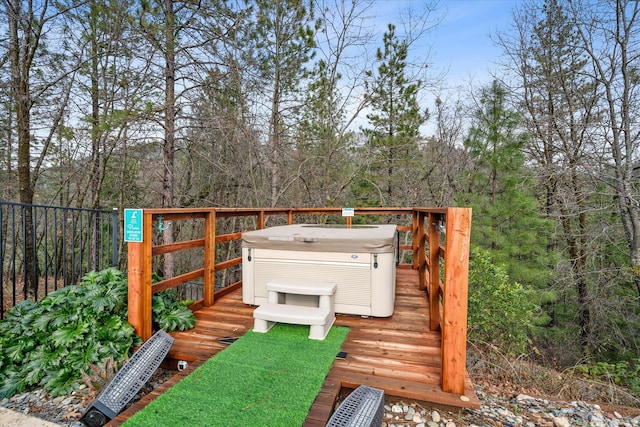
(398, 354)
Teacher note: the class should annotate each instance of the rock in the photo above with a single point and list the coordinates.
(435, 416)
(522, 397)
(561, 422)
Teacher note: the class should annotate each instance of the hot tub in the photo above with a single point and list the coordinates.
(361, 260)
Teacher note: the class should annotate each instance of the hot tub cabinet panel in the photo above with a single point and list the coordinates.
(361, 261)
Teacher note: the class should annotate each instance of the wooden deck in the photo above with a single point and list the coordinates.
(397, 354)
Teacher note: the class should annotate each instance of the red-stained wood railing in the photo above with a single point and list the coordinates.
(440, 238)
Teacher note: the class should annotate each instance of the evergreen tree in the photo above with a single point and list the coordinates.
(394, 123)
(506, 218)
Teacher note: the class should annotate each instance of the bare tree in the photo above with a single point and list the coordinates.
(609, 33)
(444, 164)
(560, 103)
(284, 42)
(40, 82)
(325, 167)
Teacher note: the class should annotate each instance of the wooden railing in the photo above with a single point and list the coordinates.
(439, 238)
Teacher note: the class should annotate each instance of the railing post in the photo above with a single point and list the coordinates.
(415, 217)
(423, 281)
(209, 258)
(434, 271)
(114, 238)
(260, 220)
(139, 279)
(456, 279)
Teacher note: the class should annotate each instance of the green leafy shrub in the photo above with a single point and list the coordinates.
(501, 312)
(170, 313)
(624, 373)
(52, 342)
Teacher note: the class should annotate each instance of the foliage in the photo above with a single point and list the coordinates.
(170, 313)
(623, 373)
(52, 342)
(506, 213)
(501, 312)
(392, 138)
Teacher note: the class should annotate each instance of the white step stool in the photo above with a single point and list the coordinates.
(320, 319)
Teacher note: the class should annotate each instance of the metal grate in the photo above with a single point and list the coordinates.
(129, 380)
(364, 407)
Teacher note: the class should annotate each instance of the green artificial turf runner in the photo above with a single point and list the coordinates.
(260, 380)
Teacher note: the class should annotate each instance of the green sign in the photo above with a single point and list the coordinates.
(133, 225)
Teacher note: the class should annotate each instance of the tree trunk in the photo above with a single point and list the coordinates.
(21, 51)
(168, 147)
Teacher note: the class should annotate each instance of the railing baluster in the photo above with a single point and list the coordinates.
(56, 268)
(14, 247)
(25, 250)
(45, 240)
(2, 249)
(114, 238)
(43, 244)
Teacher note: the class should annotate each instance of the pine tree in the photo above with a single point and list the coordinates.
(395, 121)
(505, 212)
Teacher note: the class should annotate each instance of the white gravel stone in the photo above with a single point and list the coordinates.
(561, 422)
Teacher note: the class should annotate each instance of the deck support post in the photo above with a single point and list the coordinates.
(260, 220)
(139, 281)
(454, 328)
(434, 272)
(209, 258)
(419, 244)
(415, 215)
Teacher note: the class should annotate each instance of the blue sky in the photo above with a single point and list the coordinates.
(459, 46)
(462, 40)
(460, 43)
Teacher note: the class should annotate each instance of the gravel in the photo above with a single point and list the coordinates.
(520, 410)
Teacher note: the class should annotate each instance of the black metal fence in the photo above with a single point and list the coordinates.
(44, 248)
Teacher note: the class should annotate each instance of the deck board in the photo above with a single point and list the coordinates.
(398, 354)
